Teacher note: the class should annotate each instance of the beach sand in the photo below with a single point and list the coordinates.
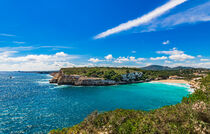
(172, 81)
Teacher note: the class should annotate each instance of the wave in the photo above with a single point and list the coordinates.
(60, 86)
(43, 81)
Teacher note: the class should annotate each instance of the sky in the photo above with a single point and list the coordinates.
(50, 34)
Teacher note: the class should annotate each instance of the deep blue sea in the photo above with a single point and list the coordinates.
(29, 104)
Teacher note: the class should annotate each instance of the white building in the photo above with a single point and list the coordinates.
(131, 76)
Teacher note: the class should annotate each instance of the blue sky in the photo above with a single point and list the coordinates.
(50, 34)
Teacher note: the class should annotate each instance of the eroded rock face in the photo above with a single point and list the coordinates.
(63, 79)
(68, 79)
(77, 80)
(85, 81)
(55, 78)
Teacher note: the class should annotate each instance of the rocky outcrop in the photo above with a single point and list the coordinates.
(64, 79)
(77, 80)
(89, 81)
(55, 78)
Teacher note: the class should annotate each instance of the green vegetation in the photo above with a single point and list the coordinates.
(200, 95)
(101, 72)
(190, 116)
(115, 73)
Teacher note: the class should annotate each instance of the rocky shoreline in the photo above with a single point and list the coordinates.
(61, 78)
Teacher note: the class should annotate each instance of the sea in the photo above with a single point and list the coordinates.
(30, 104)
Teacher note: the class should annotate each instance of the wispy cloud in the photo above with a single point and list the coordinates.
(195, 14)
(28, 48)
(20, 48)
(199, 13)
(141, 20)
(54, 47)
(8, 35)
(19, 42)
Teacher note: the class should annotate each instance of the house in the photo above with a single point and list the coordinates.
(131, 76)
(175, 77)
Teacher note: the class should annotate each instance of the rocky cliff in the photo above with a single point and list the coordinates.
(77, 80)
(62, 78)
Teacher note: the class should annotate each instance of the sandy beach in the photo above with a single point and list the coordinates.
(172, 81)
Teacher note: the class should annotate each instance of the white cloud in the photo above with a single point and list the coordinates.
(108, 57)
(176, 55)
(196, 65)
(142, 20)
(5, 54)
(204, 59)
(121, 60)
(199, 56)
(181, 57)
(35, 62)
(7, 35)
(174, 51)
(133, 59)
(141, 59)
(18, 42)
(159, 58)
(202, 65)
(95, 60)
(133, 52)
(61, 56)
(167, 61)
(166, 42)
(129, 59)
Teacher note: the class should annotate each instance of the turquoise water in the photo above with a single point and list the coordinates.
(29, 104)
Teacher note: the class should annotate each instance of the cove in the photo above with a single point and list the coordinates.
(29, 104)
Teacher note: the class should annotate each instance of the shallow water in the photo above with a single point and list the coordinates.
(29, 104)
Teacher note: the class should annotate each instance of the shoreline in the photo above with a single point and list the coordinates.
(172, 81)
(191, 86)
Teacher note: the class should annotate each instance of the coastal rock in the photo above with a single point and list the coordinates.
(68, 79)
(87, 81)
(55, 78)
(77, 80)
(64, 79)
